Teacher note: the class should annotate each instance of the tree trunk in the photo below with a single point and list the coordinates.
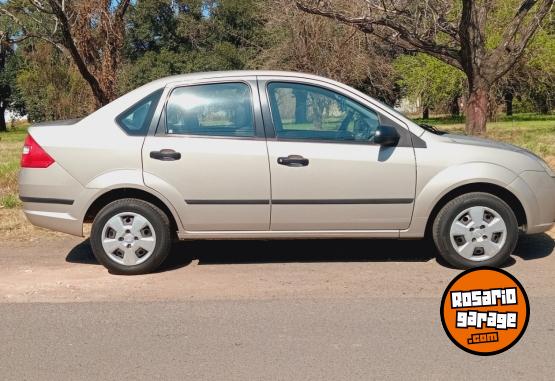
(509, 103)
(68, 42)
(492, 108)
(426, 112)
(543, 105)
(477, 111)
(3, 119)
(454, 108)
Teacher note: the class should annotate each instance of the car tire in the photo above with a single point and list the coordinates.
(130, 237)
(475, 229)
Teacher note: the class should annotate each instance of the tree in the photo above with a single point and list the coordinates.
(430, 82)
(51, 84)
(91, 32)
(455, 33)
(533, 78)
(9, 96)
(311, 44)
(5, 84)
(169, 37)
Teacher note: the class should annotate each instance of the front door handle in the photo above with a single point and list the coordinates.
(165, 155)
(293, 161)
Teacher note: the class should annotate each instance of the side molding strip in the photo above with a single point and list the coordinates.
(45, 200)
(228, 202)
(376, 201)
(345, 201)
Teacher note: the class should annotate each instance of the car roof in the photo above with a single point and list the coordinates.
(237, 73)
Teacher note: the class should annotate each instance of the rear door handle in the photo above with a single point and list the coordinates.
(165, 155)
(293, 161)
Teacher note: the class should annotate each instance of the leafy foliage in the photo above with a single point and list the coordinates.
(51, 86)
(10, 97)
(429, 81)
(172, 37)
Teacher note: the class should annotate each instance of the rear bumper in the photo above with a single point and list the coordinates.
(58, 221)
(49, 199)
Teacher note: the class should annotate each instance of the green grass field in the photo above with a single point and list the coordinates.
(531, 131)
(11, 143)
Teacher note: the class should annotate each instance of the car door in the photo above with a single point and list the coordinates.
(327, 173)
(209, 156)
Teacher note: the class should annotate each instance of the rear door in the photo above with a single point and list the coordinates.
(327, 173)
(209, 156)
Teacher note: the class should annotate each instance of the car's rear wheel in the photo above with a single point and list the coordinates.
(475, 229)
(131, 236)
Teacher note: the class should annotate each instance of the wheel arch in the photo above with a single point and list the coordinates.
(512, 201)
(129, 192)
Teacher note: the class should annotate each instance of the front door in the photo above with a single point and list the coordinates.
(209, 156)
(327, 174)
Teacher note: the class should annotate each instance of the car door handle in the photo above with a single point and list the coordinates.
(165, 155)
(293, 161)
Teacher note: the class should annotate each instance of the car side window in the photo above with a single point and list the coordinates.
(136, 119)
(308, 112)
(223, 109)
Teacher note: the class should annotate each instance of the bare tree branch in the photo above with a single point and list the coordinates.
(69, 43)
(368, 24)
(122, 8)
(513, 43)
(90, 32)
(416, 26)
(39, 5)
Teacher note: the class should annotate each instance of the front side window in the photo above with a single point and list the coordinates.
(136, 120)
(313, 113)
(223, 109)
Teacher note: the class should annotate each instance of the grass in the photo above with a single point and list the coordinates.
(11, 143)
(523, 117)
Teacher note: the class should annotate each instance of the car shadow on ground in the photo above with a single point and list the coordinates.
(222, 252)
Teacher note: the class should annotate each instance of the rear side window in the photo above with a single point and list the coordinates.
(136, 119)
(222, 109)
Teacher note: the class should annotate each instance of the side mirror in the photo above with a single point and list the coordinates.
(386, 136)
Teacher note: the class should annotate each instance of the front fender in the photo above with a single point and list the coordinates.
(431, 188)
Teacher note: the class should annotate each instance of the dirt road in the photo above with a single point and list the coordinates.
(64, 270)
(255, 310)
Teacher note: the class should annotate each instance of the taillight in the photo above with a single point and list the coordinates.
(33, 156)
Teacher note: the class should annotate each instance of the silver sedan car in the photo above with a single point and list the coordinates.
(263, 154)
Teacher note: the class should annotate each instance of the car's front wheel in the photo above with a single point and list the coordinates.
(475, 229)
(131, 236)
